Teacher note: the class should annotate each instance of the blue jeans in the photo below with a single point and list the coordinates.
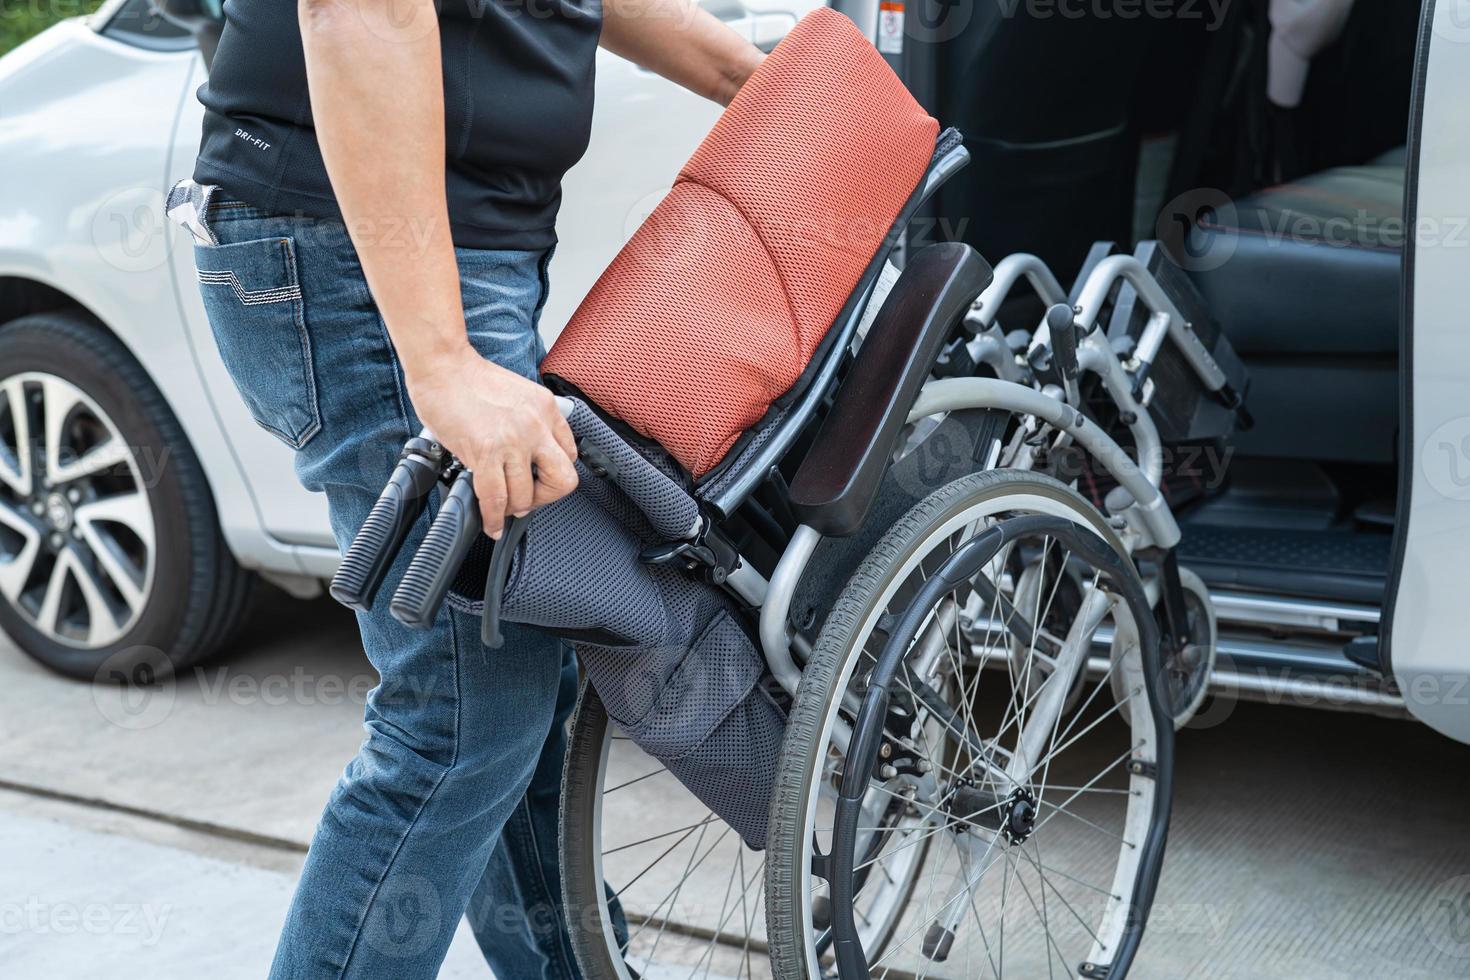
(450, 806)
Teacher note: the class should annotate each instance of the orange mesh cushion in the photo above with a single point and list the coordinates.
(714, 307)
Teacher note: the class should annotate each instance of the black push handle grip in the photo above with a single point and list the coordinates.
(1063, 332)
(377, 542)
(436, 563)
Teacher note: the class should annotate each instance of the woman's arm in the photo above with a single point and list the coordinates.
(373, 67)
(681, 41)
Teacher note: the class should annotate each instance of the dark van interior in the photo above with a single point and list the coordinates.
(1288, 221)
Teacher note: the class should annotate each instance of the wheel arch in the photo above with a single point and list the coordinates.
(23, 295)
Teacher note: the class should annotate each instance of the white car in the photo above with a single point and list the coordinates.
(130, 538)
(139, 526)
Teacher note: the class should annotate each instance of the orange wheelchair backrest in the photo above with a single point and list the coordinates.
(715, 306)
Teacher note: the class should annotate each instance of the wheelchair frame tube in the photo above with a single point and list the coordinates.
(1166, 317)
(775, 640)
(1008, 272)
(955, 394)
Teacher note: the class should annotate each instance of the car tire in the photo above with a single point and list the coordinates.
(182, 603)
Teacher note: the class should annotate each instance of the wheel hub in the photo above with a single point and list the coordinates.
(1014, 817)
(1019, 817)
(59, 514)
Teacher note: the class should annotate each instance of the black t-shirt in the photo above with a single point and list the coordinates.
(518, 80)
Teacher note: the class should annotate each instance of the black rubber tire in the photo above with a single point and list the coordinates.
(200, 594)
(803, 730)
(582, 889)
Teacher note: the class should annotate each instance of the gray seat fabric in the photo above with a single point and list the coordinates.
(1304, 278)
(670, 656)
(1312, 266)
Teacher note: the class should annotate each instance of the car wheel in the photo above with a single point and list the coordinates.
(112, 566)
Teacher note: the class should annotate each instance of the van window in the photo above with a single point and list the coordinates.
(138, 24)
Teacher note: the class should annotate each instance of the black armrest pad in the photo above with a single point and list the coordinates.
(835, 485)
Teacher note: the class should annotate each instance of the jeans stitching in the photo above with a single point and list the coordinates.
(563, 928)
(295, 439)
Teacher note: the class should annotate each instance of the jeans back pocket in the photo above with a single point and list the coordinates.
(252, 294)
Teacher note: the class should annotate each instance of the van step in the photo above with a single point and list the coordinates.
(1294, 613)
(1333, 564)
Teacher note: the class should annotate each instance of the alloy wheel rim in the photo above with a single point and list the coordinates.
(77, 538)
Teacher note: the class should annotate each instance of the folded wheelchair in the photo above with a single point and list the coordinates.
(870, 690)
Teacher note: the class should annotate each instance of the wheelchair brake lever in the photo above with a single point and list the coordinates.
(505, 549)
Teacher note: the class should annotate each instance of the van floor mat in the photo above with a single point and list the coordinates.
(1339, 564)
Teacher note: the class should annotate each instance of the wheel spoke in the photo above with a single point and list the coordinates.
(58, 400)
(49, 615)
(635, 779)
(102, 621)
(668, 833)
(1036, 864)
(15, 461)
(100, 457)
(131, 510)
(16, 570)
(673, 896)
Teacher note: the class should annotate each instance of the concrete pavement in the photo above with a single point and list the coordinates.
(159, 835)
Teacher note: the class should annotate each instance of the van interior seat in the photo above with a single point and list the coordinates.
(1310, 266)
(1304, 278)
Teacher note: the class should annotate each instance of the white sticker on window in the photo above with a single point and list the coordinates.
(890, 27)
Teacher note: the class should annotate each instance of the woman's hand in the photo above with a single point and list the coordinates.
(506, 429)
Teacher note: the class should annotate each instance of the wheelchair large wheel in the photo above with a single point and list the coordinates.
(657, 886)
(997, 750)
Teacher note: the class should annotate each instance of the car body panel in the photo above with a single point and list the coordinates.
(104, 242)
(1430, 658)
